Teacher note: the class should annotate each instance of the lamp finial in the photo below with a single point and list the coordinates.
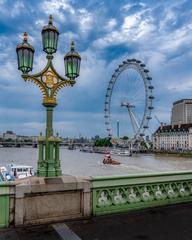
(50, 19)
(25, 36)
(72, 45)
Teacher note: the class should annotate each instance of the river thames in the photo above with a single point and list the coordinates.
(75, 162)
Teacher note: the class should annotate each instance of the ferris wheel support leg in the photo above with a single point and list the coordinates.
(134, 122)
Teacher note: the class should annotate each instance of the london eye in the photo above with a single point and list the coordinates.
(129, 100)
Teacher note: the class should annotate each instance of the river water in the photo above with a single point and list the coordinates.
(78, 163)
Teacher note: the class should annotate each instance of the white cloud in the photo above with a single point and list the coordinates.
(183, 85)
(93, 70)
(170, 42)
(12, 11)
(170, 18)
(134, 28)
(111, 24)
(81, 17)
(85, 20)
(17, 8)
(130, 21)
(126, 7)
(55, 7)
(40, 23)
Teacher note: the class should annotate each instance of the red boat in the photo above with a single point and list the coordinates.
(108, 160)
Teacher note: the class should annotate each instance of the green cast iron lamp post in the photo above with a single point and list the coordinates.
(49, 82)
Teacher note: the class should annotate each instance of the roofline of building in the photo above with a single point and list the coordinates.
(173, 128)
(182, 100)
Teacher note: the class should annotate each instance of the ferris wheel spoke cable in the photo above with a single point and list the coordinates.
(138, 90)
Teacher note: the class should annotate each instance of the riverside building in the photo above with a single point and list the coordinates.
(182, 112)
(177, 135)
(9, 135)
(173, 137)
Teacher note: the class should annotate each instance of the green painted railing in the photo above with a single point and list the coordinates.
(4, 205)
(123, 193)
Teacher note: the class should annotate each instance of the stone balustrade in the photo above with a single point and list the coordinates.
(124, 193)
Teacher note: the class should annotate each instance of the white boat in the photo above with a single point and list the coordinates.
(3, 172)
(19, 171)
(119, 152)
(87, 149)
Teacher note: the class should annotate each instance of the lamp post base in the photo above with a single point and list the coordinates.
(51, 173)
(58, 172)
(41, 172)
(49, 159)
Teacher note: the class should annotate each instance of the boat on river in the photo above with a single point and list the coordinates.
(108, 160)
(119, 152)
(15, 171)
(87, 149)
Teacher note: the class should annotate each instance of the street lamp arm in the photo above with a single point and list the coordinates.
(61, 85)
(49, 67)
(37, 82)
(49, 82)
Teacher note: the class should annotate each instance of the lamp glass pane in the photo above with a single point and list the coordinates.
(20, 58)
(51, 40)
(31, 60)
(65, 63)
(55, 40)
(26, 58)
(70, 67)
(48, 42)
(74, 66)
(46, 39)
(78, 70)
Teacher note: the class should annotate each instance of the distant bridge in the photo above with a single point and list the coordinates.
(17, 144)
(35, 144)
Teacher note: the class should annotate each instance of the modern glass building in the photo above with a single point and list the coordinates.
(182, 112)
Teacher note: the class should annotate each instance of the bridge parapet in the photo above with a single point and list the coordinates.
(44, 200)
(124, 193)
(7, 193)
(38, 200)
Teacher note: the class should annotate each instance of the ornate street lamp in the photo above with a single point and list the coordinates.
(49, 82)
(25, 54)
(72, 63)
(50, 36)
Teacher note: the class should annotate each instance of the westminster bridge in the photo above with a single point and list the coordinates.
(38, 200)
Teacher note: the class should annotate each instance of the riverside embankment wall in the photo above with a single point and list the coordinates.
(43, 200)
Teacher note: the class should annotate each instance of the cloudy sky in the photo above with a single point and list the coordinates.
(159, 33)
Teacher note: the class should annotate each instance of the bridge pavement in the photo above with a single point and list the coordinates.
(163, 223)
